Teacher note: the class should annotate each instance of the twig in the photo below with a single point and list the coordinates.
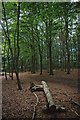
(34, 111)
(75, 112)
(76, 103)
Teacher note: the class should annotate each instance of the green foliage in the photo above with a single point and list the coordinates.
(35, 15)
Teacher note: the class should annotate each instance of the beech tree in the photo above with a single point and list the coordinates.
(40, 36)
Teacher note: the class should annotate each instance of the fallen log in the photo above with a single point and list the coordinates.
(50, 103)
(50, 106)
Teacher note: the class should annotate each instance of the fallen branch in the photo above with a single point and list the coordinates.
(34, 111)
(76, 103)
(75, 112)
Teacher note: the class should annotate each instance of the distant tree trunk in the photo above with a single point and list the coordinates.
(33, 65)
(8, 61)
(63, 51)
(18, 50)
(33, 52)
(48, 65)
(40, 64)
(25, 65)
(67, 43)
(65, 67)
(40, 52)
(47, 59)
(4, 62)
(50, 48)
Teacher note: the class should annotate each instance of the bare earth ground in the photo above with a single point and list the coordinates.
(19, 103)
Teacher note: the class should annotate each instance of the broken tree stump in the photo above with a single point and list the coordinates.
(50, 103)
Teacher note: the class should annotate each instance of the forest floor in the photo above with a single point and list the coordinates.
(19, 104)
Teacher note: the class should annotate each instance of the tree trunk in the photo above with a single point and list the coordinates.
(18, 80)
(40, 64)
(65, 64)
(7, 35)
(33, 52)
(40, 51)
(67, 44)
(4, 62)
(47, 46)
(10, 69)
(18, 49)
(50, 49)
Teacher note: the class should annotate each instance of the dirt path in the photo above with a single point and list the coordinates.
(19, 104)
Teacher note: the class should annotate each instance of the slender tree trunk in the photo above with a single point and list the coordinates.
(33, 52)
(47, 46)
(40, 51)
(18, 50)
(50, 48)
(49, 43)
(47, 59)
(8, 38)
(67, 44)
(10, 69)
(4, 62)
(40, 54)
